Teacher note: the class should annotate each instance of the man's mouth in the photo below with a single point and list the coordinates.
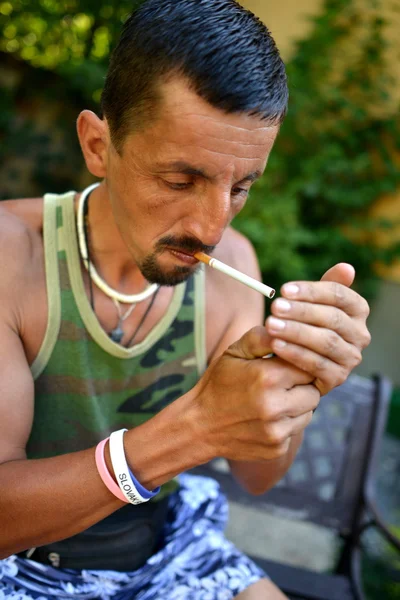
(185, 257)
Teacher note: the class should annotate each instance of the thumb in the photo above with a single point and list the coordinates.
(341, 273)
(256, 343)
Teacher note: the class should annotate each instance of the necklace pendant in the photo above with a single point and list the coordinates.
(117, 334)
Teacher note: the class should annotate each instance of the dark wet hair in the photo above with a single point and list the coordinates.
(225, 52)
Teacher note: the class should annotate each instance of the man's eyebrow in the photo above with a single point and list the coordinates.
(252, 176)
(183, 168)
(187, 169)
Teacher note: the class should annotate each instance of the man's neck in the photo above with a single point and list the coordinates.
(108, 251)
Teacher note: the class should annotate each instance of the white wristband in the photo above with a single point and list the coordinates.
(121, 469)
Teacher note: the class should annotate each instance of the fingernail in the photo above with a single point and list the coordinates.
(283, 305)
(279, 343)
(291, 290)
(276, 324)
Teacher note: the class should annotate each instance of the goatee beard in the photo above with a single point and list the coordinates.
(152, 271)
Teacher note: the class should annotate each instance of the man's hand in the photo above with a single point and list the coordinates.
(248, 407)
(320, 327)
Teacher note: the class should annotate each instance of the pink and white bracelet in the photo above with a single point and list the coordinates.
(104, 473)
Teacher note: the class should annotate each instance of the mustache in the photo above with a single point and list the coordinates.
(187, 244)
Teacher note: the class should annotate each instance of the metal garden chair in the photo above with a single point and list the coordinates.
(331, 483)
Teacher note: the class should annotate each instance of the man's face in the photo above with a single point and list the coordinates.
(177, 184)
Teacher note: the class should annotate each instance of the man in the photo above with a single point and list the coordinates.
(104, 327)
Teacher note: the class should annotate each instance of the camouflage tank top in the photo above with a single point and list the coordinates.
(86, 385)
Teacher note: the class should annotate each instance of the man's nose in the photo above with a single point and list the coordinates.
(210, 217)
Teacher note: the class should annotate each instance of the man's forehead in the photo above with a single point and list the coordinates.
(181, 104)
(174, 137)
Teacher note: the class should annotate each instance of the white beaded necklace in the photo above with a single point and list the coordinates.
(109, 291)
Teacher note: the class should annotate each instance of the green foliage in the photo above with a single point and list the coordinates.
(381, 566)
(335, 155)
(69, 37)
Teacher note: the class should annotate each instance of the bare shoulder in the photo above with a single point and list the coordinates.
(15, 241)
(21, 250)
(20, 239)
(28, 211)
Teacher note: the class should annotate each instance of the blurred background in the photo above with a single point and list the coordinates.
(331, 191)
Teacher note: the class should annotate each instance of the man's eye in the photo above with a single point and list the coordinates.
(177, 186)
(240, 192)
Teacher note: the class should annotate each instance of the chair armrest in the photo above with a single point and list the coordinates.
(382, 399)
(380, 523)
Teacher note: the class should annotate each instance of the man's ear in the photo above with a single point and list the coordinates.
(93, 138)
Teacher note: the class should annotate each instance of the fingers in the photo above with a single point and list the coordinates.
(292, 403)
(299, 424)
(275, 375)
(266, 439)
(277, 435)
(327, 373)
(330, 293)
(256, 343)
(292, 415)
(321, 326)
(341, 273)
(325, 342)
(330, 317)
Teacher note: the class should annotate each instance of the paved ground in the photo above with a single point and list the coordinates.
(301, 544)
(281, 540)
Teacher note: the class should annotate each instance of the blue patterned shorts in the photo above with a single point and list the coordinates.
(196, 562)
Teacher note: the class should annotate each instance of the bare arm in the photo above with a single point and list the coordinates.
(257, 476)
(41, 500)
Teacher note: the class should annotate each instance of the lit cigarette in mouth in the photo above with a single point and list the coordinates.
(249, 281)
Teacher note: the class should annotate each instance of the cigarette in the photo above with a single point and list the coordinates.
(249, 281)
